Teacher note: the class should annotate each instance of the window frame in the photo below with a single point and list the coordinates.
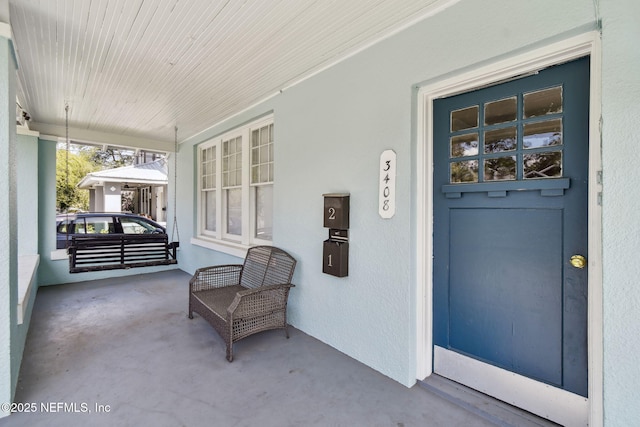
(248, 203)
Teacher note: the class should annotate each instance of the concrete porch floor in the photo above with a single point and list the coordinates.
(122, 352)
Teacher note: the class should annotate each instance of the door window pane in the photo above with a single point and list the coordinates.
(543, 165)
(542, 134)
(464, 171)
(543, 102)
(500, 168)
(466, 118)
(499, 140)
(464, 145)
(502, 111)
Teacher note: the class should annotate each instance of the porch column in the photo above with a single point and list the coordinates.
(8, 202)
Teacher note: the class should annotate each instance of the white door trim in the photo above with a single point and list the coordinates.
(521, 64)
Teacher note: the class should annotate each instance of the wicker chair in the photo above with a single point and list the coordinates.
(241, 300)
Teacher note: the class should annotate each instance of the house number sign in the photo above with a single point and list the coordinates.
(387, 184)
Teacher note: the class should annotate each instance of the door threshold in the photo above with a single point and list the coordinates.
(491, 409)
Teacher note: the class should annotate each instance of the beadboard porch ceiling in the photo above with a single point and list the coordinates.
(132, 70)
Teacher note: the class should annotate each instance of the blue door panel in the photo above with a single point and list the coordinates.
(504, 291)
(505, 302)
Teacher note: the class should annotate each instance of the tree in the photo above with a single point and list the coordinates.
(68, 196)
(111, 157)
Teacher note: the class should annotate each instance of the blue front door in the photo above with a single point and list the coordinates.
(510, 225)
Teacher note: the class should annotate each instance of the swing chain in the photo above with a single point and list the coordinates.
(66, 192)
(175, 188)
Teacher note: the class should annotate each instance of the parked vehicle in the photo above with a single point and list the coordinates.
(69, 225)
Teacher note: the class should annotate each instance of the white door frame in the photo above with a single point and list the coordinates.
(519, 65)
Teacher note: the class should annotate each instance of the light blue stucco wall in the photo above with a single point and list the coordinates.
(8, 224)
(27, 202)
(330, 131)
(27, 160)
(621, 209)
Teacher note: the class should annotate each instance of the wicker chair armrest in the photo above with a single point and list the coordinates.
(217, 276)
(253, 302)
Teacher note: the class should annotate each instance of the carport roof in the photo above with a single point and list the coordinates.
(151, 173)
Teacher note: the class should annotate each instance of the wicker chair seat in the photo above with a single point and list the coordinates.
(219, 299)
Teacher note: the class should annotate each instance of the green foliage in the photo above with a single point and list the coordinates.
(68, 196)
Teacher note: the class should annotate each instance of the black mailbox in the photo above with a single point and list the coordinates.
(335, 256)
(335, 251)
(336, 210)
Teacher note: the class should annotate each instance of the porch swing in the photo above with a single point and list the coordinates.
(100, 252)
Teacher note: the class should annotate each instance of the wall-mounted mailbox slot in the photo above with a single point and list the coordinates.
(338, 235)
(335, 256)
(336, 210)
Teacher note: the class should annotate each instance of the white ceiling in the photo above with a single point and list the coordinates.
(131, 70)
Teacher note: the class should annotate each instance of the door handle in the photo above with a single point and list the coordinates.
(578, 261)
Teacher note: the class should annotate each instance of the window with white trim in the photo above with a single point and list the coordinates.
(235, 184)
